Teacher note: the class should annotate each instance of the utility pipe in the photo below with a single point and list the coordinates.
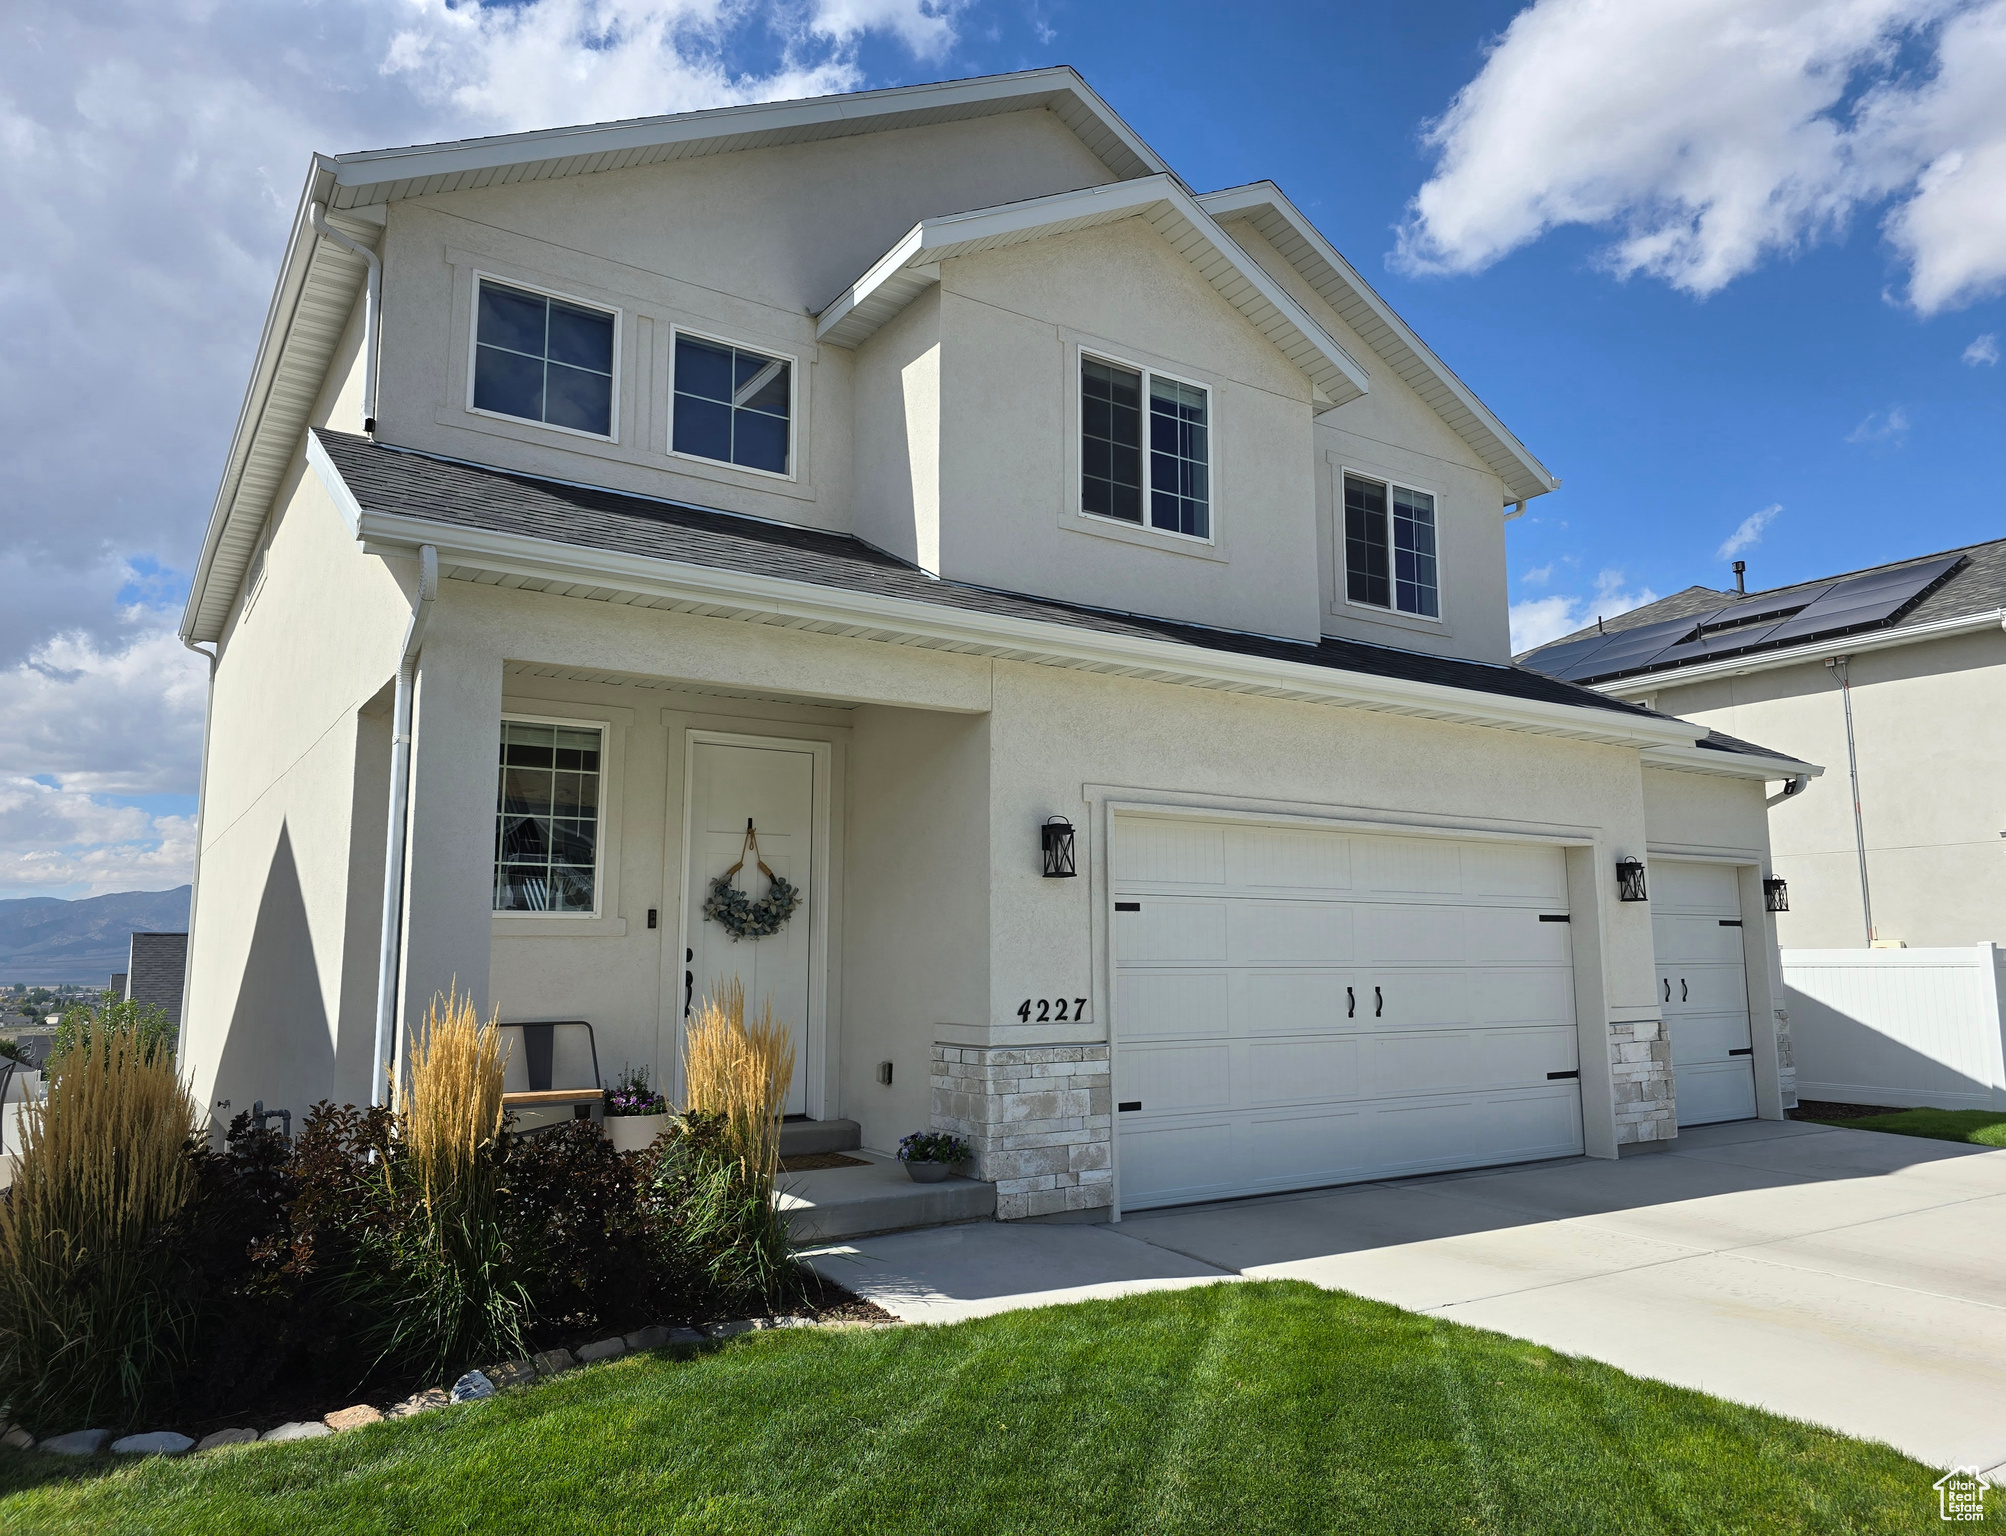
(372, 310)
(195, 872)
(1838, 666)
(400, 802)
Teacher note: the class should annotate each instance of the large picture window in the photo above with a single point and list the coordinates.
(732, 404)
(547, 818)
(1118, 479)
(543, 359)
(1389, 547)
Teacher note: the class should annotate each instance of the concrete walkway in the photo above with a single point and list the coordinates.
(1850, 1278)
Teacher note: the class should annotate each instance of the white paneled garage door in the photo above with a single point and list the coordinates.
(1297, 1007)
(1703, 988)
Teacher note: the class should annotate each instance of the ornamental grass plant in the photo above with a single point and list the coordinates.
(93, 1322)
(715, 1179)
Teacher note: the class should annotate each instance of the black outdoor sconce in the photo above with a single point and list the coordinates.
(1776, 894)
(1056, 838)
(1630, 880)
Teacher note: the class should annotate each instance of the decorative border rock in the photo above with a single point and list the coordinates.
(78, 1442)
(351, 1418)
(473, 1387)
(420, 1402)
(298, 1430)
(601, 1349)
(511, 1373)
(161, 1442)
(18, 1438)
(226, 1437)
(652, 1337)
(553, 1362)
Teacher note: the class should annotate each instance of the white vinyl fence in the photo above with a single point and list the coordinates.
(1898, 1026)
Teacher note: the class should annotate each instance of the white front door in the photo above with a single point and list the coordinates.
(1297, 1007)
(1703, 988)
(773, 788)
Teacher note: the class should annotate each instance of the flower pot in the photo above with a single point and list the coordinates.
(928, 1173)
(634, 1133)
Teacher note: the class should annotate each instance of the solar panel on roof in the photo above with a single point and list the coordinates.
(1555, 659)
(1865, 600)
(1625, 650)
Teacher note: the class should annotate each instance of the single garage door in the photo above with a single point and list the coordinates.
(1703, 988)
(1298, 1007)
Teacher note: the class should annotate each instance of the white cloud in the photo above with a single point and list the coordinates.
(1749, 534)
(1710, 135)
(151, 154)
(1889, 426)
(1538, 576)
(1983, 351)
(1539, 620)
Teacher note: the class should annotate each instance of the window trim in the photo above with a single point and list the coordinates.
(1084, 352)
(602, 820)
(612, 434)
(1391, 610)
(793, 362)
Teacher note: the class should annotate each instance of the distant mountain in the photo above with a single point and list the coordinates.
(44, 940)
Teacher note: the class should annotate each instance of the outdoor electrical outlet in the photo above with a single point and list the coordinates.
(885, 1073)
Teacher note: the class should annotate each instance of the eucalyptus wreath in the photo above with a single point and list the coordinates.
(743, 918)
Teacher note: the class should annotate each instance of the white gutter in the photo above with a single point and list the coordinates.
(400, 799)
(372, 310)
(805, 605)
(1644, 683)
(1734, 765)
(195, 872)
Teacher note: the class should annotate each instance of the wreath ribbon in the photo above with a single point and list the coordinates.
(736, 912)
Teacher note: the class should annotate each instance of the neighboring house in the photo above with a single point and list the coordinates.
(1887, 669)
(155, 970)
(932, 481)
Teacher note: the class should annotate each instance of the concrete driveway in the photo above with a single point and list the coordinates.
(1850, 1278)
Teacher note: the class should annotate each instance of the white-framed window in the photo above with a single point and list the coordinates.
(1390, 558)
(548, 816)
(733, 404)
(543, 357)
(1145, 448)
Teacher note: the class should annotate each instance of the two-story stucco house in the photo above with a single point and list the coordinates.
(1090, 592)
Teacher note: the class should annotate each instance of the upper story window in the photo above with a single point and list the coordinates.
(733, 405)
(1389, 562)
(547, 818)
(543, 359)
(1117, 478)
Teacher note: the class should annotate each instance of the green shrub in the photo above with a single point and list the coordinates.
(150, 1024)
(716, 1219)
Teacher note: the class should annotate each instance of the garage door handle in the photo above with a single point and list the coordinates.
(1742, 1050)
(1350, 1003)
(1668, 989)
(1378, 1002)
(1682, 989)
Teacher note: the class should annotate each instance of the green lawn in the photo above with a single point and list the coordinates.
(1982, 1127)
(1224, 1409)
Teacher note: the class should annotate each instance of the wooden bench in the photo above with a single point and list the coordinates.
(539, 1040)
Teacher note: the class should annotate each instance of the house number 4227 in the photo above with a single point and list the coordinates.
(1052, 1010)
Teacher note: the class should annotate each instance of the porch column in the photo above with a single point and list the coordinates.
(450, 835)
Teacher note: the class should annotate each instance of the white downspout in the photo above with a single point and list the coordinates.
(195, 871)
(393, 851)
(1838, 664)
(372, 310)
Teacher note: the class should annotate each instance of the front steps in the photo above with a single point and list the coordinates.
(827, 1204)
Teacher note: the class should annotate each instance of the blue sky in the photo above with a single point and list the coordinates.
(1708, 258)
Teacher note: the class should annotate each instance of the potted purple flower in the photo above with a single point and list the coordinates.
(635, 1113)
(930, 1156)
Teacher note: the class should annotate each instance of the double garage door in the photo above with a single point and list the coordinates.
(1298, 1007)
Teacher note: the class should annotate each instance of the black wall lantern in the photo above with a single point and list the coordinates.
(1056, 838)
(1776, 894)
(1630, 880)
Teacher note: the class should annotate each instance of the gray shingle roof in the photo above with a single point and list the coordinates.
(402, 482)
(153, 975)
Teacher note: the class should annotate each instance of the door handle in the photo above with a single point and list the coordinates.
(1682, 989)
(689, 982)
(1668, 988)
(1350, 1003)
(1378, 1002)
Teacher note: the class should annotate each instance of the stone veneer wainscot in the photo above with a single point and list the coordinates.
(1040, 1119)
(1640, 1058)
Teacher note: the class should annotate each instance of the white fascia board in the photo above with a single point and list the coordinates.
(336, 487)
(911, 265)
(1643, 683)
(1533, 477)
(373, 170)
(806, 605)
(1730, 765)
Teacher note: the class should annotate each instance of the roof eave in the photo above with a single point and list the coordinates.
(1767, 766)
(1529, 477)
